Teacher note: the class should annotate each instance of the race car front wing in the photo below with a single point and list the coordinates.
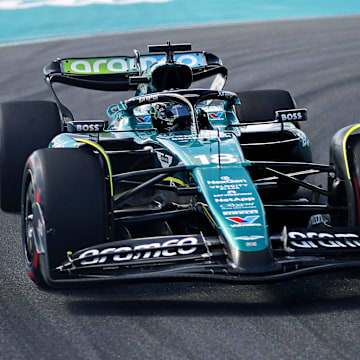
(296, 253)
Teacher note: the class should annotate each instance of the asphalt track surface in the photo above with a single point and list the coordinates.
(309, 318)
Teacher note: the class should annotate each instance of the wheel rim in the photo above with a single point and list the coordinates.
(29, 226)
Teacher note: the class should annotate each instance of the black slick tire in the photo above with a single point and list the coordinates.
(68, 187)
(353, 198)
(24, 127)
(260, 105)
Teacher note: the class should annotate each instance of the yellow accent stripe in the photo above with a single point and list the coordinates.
(175, 180)
(344, 148)
(209, 215)
(121, 194)
(103, 153)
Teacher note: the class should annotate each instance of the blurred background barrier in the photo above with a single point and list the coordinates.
(29, 20)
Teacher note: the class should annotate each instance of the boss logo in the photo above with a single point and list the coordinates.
(82, 126)
(291, 115)
(87, 127)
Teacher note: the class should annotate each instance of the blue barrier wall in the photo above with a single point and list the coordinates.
(25, 20)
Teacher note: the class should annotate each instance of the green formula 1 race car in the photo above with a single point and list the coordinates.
(177, 183)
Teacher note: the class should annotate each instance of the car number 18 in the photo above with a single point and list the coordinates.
(222, 158)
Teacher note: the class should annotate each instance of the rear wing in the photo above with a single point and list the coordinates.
(124, 73)
(113, 73)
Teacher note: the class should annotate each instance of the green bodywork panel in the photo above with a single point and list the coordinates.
(65, 141)
(219, 169)
(215, 159)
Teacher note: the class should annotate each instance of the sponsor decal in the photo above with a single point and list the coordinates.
(247, 219)
(244, 221)
(251, 243)
(242, 208)
(190, 59)
(226, 94)
(143, 119)
(229, 193)
(219, 115)
(322, 240)
(291, 115)
(318, 219)
(97, 66)
(86, 126)
(193, 137)
(124, 64)
(235, 199)
(250, 238)
(233, 206)
(226, 180)
(240, 212)
(164, 159)
(230, 187)
(155, 250)
(148, 98)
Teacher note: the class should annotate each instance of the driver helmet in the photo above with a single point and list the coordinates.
(170, 117)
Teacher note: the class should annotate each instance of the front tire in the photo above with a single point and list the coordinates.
(63, 207)
(344, 183)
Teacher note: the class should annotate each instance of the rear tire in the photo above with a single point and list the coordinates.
(24, 127)
(67, 188)
(260, 105)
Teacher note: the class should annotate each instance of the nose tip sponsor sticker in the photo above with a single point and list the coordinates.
(246, 219)
(243, 221)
